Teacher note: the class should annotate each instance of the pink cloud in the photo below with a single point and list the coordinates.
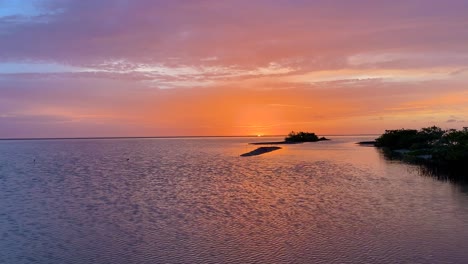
(224, 67)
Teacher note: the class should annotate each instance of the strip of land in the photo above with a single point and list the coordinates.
(260, 151)
(294, 140)
(274, 143)
(367, 143)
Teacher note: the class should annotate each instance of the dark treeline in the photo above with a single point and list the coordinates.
(442, 150)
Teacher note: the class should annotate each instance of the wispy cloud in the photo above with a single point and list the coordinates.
(271, 65)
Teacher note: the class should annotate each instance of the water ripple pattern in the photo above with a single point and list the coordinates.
(196, 201)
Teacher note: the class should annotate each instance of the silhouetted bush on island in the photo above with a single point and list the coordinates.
(444, 149)
(302, 137)
(294, 138)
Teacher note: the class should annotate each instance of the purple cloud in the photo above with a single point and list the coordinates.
(244, 32)
(89, 66)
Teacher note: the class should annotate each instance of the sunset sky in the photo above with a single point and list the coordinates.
(209, 67)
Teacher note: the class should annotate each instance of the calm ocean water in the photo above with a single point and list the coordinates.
(196, 201)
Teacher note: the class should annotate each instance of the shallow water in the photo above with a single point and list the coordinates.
(196, 201)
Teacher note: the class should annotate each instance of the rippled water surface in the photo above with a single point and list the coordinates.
(196, 201)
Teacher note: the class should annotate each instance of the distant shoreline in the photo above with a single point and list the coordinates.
(289, 141)
(4, 139)
(149, 137)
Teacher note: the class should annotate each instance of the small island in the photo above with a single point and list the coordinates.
(291, 138)
(295, 138)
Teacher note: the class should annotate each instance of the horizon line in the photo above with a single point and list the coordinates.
(168, 137)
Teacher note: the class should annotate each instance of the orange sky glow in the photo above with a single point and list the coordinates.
(199, 68)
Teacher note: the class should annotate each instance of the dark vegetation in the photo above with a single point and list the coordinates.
(302, 137)
(441, 150)
(295, 138)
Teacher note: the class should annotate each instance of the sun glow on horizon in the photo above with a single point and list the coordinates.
(358, 73)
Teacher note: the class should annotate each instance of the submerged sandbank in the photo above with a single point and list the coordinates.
(260, 151)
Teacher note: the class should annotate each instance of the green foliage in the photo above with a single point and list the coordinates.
(398, 139)
(428, 136)
(452, 147)
(411, 138)
(448, 147)
(301, 137)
